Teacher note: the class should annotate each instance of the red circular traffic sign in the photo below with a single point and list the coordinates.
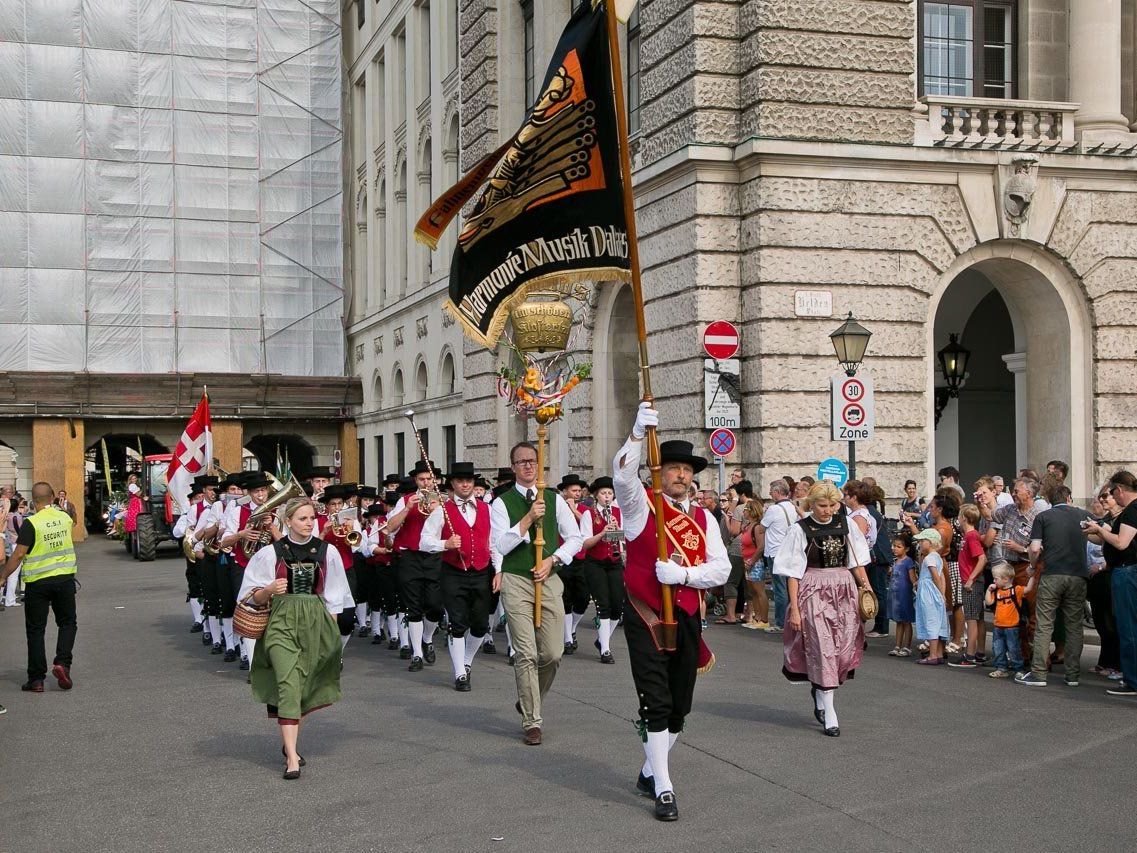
(722, 442)
(853, 415)
(853, 389)
(720, 339)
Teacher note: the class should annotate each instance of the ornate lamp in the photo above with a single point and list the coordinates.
(953, 367)
(850, 341)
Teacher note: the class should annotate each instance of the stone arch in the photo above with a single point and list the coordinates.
(615, 376)
(397, 388)
(447, 378)
(377, 390)
(1052, 362)
(299, 451)
(422, 380)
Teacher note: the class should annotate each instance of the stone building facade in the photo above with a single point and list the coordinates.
(957, 168)
(402, 107)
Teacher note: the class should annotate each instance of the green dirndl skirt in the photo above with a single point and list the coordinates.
(296, 664)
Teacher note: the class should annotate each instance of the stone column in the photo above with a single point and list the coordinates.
(228, 444)
(1095, 68)
(58, 446)
(1016, 364)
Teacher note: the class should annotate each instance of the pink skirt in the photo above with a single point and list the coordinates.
(829, 646)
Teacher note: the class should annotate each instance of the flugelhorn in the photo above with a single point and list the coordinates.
(341, 526)
(262, 518)
(425, 496)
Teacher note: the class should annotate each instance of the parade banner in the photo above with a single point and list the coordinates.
(192, 456)
(551, 211)
(106, 465)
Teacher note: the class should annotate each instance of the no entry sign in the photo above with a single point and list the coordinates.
(722, 442)
(852, 408)
(720, 339)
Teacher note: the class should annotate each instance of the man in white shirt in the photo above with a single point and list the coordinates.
(776, 522)
(513, 519)
(665, 680)
(184, 524)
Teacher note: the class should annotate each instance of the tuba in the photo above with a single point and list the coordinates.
(425, 496)
(260, 520)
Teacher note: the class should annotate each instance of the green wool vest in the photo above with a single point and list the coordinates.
(522, 559)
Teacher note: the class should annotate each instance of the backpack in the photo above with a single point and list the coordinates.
(882, 547)
(1022, 608)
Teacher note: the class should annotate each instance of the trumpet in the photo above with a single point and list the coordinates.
(342, 529)
(431, 495)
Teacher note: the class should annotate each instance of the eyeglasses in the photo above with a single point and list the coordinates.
(532, 461)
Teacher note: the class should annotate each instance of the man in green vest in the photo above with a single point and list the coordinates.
(514, 517)
(45, 548)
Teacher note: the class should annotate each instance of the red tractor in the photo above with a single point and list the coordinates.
(157, 519)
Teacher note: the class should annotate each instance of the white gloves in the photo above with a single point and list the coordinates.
(645, 417)
(669, 573)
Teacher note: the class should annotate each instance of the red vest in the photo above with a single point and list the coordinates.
(408, 536)
(378, 559)
(603, 551)
(324, 531)
(475, 540)
(639, 575)
(243, 513)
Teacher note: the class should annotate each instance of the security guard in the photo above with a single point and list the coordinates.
(45, 548)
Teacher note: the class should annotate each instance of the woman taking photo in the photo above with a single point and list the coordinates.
(1100, 593)
(296, 665)
(1119, 546)
(824, 637)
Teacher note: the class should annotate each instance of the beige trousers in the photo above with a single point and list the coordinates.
(536, 653)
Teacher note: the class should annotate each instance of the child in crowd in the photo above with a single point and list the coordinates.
(972, 562)
(931, 614)
(901, 595)
(1010, 614)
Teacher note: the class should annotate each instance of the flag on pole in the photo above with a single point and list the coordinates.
(193, 454)
(551, 212)
(283, 468)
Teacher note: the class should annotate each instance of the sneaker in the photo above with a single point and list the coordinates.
(964, 663)
(32, 686)
(998, 673)
(1070, 683)
(894, 652)
(875, 635)
(1030, 680)
(773, 629)
(1122, 689)
(703, 624)
(1114, 676)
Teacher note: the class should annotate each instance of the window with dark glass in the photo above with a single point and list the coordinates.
(379, 460)
(360, 13)
(530, 69)
(634, 71)
(401, 453)
(361, 443)
(450, 433)
(967, 48)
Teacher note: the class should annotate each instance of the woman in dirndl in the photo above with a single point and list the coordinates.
(296, 665)
(823, 559)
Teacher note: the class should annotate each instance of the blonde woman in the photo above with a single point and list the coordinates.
(824, 638)
(296, 665)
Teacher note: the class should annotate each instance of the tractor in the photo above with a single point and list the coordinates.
(157, 519)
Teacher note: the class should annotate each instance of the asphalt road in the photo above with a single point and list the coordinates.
(160, 747)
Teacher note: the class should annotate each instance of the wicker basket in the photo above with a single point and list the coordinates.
(250, 619)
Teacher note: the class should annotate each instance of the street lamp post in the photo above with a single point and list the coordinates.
(850, 340)
(953, 367)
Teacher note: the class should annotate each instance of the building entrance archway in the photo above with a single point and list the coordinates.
(1026, 398)
(297, 451)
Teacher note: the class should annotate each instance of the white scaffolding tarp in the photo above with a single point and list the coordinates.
(170, 186)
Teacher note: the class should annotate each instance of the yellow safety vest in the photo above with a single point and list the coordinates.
(53, 552)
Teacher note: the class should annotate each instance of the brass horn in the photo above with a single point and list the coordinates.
(425, 496)
(261, 520)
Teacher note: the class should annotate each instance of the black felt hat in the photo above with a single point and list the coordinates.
(255, 480)
(677, 450)
(322, 471)
(463, 469)
(367, 492)
(391, 480)
(407, 486)
(375, 509)
(335, 490)
(570, 480)
(422, 467)
(203, 480)
(505, 475)
(600, 483)
(350, 488)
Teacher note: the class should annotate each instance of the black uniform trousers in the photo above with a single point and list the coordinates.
(390, 599)
(210, 591)
(366, 580)
(575, 595)
(229, 578)
(419, 574)
(665, 681)
(58, 595)
(193, 579)
(606, 582)
(466, 596)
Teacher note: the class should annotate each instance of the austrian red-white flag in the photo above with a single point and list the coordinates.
(192, 456)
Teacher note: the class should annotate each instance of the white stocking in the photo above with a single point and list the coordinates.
(404, 631)
(392, 627)
(605, 635)
(343, 641)
(830, 711)
(361, 615)
(195, 609)
(656, 750)
(415, 630)
(428, 629)
(457, 649)
(472, 645)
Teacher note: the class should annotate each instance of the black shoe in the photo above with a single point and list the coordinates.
(363, 631)
(488, 647)
(230, 655)
(207, 639)
(292, 774)
(405, 653)
(244, 663)
(378, 640)
(509, 660)
(416, 665)
(462, 684)
(569, 648)
(833, 732)
(217, 649)
(606, 657)
(817, 715)
(392, 644)
(645, 786)
(196, 628)
(428, 654)
(665, 806)
(32, 686)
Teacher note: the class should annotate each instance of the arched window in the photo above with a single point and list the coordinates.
(421, 383)
(446, 376)
(397, 387)
(377, 392)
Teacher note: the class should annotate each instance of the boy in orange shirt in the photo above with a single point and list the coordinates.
(1010, 606)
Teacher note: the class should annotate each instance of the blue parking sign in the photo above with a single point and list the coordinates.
(834, 470)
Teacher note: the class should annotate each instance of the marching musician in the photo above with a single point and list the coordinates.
(365, 496)
(503, 482)
(513, 519)
(384, 601)
(206, 568)
(336, 534)
(572, 576)
(185, 524)
(238, 532)
(319, 478)
(419, 571)
(665, 680)
(603, 563)
(460, 531)
(215, 572)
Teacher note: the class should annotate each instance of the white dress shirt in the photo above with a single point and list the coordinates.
(434, 535)
(791, 560)
(261, 572)
(635, 515)
(504, 539)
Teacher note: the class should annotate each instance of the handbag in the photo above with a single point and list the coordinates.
(249, 618)
(867, 604)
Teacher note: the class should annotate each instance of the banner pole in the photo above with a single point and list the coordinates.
(667, 616)
(539, 535)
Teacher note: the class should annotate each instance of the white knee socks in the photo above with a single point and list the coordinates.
(207, 626)
(576, 617)
(605, 635)
(830, 711)
(415, 630)
(230, 637)
(247, 648)
(361, 614)
(819, 700)
(428, 629)
(393, 627)
(195, 609)
(472, 645)
(656, 749)
(404, 631)
(457, 648)
(343, 641)
(568, 627)
(646, 770)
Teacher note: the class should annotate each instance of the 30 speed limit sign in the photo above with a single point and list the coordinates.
(853, 417)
